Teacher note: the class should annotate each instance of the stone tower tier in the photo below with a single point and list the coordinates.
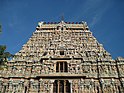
(63, 57)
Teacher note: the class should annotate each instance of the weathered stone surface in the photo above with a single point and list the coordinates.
(63, 53)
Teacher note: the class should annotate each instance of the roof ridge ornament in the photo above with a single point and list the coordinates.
(62, 23)
(62, 18)
(40, 23)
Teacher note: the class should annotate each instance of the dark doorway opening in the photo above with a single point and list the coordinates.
(61, 67)
(61, 86)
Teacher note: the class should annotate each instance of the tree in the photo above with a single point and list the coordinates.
(3, 54)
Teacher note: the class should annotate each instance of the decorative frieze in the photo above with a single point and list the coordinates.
(63, 58)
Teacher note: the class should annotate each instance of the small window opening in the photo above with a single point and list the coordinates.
(61, 52)
(62, 28)
(61, 67)
(58, 28)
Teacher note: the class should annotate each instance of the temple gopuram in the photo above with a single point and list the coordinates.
(63, 57)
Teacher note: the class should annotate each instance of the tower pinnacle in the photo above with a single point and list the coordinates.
(62, 18)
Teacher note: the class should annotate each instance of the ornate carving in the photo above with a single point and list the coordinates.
(90, 65)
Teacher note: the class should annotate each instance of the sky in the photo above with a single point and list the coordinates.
(105, 19)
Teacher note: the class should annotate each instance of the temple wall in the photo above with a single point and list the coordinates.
(81, 59)
(105, 78)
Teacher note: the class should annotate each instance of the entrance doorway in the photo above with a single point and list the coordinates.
(61, 86)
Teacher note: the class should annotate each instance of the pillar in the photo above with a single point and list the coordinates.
(58, 86)
(51, 81)
(70, 81)
(64, 86)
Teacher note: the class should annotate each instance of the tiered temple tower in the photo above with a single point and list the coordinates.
(63, 57)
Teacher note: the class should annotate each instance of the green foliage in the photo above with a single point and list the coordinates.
(4, 55)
